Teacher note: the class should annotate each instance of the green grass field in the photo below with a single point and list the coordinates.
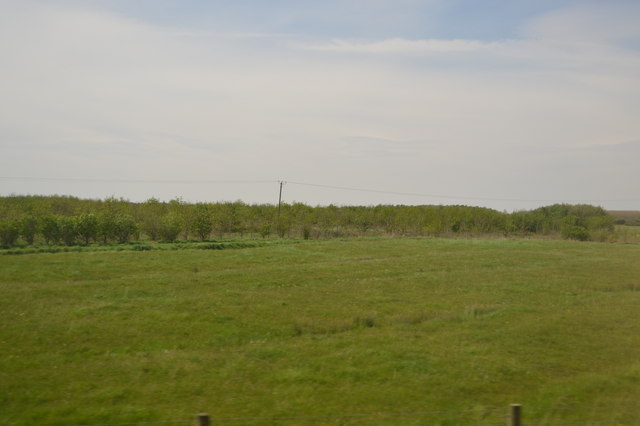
(435, 331)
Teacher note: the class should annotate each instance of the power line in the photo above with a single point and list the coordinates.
(451, 197)
(111, 180)
(317, 185)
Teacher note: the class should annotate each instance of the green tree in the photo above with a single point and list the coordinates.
(125, 227)
(29, 228)
(87, 227)
(202, 224)
(186, 213)
(50, 229)
(170, 227)
(107, 226)
(284, 221)
(265, 231)
(152, 212)
(9, 232)
(228, 217)
(68, 229)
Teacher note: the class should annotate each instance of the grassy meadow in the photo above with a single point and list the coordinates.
(408, 331)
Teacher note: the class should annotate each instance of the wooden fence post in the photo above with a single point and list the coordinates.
(203, 419)
(514, 417)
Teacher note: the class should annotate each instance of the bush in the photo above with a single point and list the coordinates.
(87, 227)
(170, 227)
(29, 229)
(152, 211)
(116, 227)
(9, 232)
(265, 231)
(203, 222)
(604, 223)
(68, 229)
(125, 227)
(575, 232)
(306, 232)
(50, 229)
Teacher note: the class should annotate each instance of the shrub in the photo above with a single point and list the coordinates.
(106, 227)
(203, 222)
(306, 232)
(9, 232)
(152, 211)
(170, 227)
(125, 227)
(575, 232)
(265, 231)
(87, 227)
(605, 223)
(68, 229)
(50, 229)
(116, 227)
(29, 229)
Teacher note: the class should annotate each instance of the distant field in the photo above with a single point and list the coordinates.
(629, 217)
(625, 214)
(404, 331)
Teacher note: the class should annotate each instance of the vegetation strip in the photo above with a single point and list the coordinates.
(36, 220)
(137, 247)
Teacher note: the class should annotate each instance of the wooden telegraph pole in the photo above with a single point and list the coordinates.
(280, 200)
(278, 230)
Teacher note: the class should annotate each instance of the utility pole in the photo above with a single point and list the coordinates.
(280, 199)
(278, 226)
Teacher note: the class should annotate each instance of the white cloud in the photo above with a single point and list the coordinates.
(605, 22)
(404, 46)
(90, 93)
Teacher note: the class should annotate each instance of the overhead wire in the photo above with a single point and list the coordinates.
(114, 180)
(451, 197)
(316, 185)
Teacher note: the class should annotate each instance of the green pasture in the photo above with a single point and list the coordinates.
(407, 331)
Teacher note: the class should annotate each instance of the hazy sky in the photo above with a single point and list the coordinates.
(510, 104)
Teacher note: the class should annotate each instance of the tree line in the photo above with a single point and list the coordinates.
(68, 220)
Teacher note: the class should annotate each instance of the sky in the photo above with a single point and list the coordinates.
(507, 104)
